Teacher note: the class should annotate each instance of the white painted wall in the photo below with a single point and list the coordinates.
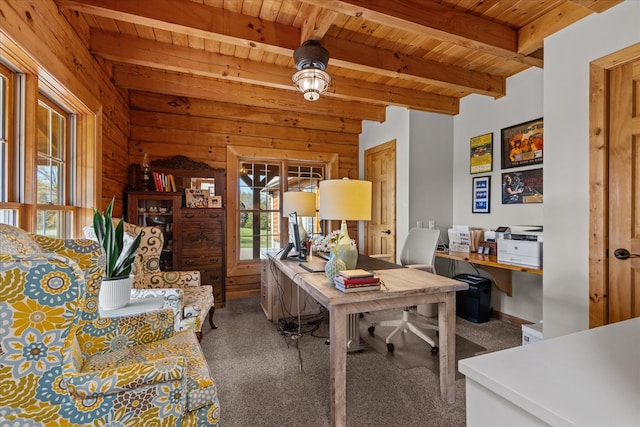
(396, 126)
(424, 189)
(480, 115)
(566, 170)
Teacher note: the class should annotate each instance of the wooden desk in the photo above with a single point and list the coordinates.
(501, 272)
(404, 287)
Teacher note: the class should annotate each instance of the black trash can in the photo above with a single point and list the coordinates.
(474, 304)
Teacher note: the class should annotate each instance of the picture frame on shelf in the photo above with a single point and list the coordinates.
(195, 198)
(215, 201)
(481, 194)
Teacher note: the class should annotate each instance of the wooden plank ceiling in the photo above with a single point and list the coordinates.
(419, 54)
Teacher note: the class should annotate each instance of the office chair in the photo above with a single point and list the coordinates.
(418, 252)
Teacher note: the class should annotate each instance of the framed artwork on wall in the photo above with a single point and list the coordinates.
(522, 187)
(522, 144)
(481, 197)
(481, 157)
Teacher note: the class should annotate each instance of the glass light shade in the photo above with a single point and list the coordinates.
(301, 202)
(311, 82)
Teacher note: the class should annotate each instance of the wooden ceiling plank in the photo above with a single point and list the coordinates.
(597, 6)
(392, 64)
(531, 37)
(270, 116)
(149, 80)
(147, 53)
(185, 17)
(436, 20)
(317, 23)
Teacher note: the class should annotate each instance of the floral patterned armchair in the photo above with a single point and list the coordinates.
(61, 364)
(198, 299)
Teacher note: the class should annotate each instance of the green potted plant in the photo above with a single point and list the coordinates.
(120, 252)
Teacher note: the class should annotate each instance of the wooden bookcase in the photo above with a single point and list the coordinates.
(198, 238)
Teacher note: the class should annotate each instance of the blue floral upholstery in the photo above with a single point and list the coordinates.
(63, 365)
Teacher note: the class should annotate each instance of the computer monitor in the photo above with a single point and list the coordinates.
(294, 247)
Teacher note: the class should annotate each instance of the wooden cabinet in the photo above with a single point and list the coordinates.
(194, 238)
(158, 209)
(201, 245)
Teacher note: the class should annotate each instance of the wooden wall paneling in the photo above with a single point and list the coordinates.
(208, 143)
(198, 107)
(205, 124)
(242, 286)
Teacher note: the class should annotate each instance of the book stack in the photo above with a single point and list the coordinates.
(357, 280)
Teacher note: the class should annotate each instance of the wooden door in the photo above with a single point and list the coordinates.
(380, 169)
(624, 192)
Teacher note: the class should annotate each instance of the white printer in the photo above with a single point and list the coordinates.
(520, 245)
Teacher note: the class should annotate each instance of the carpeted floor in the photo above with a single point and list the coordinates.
(265, 378)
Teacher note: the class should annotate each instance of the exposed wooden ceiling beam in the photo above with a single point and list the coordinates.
(317, 23)
(157, 81)
(132, 50)
(438, 21)
(355, 56)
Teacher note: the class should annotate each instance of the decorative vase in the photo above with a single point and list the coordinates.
(333, 266)
(346, 251)
(115, 293)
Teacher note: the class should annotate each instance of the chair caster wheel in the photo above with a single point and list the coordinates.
(371, 330)
(390, 348)
(434, 351)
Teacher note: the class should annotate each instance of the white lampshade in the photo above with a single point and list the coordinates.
(345, 199)
(301, 202)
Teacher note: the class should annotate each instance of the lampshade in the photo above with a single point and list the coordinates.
(345, 199)
(301, 202)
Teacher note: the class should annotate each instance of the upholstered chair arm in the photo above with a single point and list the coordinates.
(110, 333)
(172, 279)
(118, 379)
(173, 299)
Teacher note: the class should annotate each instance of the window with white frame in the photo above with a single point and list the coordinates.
(53, 170)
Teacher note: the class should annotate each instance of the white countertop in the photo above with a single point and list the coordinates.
(589, 378)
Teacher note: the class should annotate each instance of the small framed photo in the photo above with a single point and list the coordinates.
(215, 201)
(487, 250)
(480, 249)
(481, 195)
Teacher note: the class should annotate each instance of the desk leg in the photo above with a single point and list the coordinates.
(338, 364)
(447, 344)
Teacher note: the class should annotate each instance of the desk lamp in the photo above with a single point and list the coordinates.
(345, 200)
(303, 203)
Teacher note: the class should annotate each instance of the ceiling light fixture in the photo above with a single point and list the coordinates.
(311, 60)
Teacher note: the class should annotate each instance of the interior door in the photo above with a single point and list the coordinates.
(624, 192)
(380, 169)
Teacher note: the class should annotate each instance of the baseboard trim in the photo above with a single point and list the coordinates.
(509, 318)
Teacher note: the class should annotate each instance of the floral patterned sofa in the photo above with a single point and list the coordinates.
(61, 364)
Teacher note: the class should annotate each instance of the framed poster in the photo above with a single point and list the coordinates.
(481, 194)
(522, 187)
(522, 144)
(481, 159)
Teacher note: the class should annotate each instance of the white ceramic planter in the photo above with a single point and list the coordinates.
(115, 293)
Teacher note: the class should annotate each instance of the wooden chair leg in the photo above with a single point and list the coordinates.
(213, 326)
(199, 335)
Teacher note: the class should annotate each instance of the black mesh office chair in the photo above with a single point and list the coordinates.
(419, 252)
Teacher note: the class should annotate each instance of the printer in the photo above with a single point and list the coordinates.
(520, 245)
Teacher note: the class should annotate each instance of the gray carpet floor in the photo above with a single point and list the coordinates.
(265, 378)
